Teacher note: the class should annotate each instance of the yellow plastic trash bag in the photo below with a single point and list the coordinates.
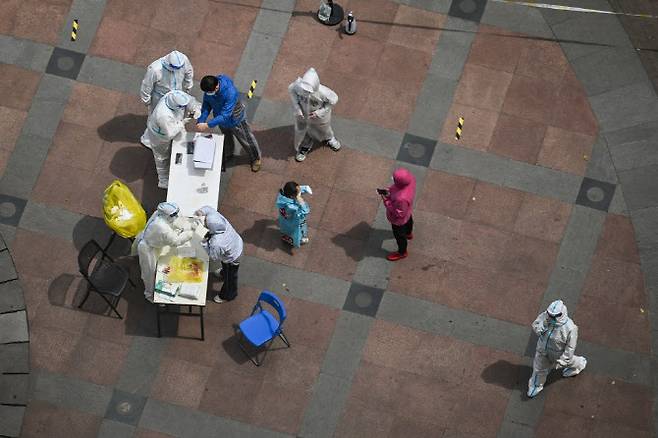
(122, 212)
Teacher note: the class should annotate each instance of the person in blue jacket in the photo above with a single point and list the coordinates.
(222, 98)
(293, 210)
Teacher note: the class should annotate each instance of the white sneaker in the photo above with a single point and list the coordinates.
(300, 157)
(145, 145)
(304, 240)
(217, 299)
(333, 143)
(217, 273)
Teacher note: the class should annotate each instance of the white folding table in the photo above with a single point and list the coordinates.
(186, 182)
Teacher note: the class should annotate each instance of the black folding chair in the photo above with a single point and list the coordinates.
(104, 276)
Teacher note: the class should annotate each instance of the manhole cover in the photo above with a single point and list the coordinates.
(363, 299)
(595, 194)
(124, 408)
(467, 6)
(65, 63)
(7, 209)
(415, 150)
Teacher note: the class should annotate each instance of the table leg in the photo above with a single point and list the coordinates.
(201, 317)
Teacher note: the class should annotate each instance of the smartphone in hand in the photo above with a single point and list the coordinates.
(382, 192)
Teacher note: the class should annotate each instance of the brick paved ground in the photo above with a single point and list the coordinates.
(550, 193)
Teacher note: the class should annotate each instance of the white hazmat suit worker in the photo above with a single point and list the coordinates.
(556, 346)
(171, 72)
(312, 103)
(164, 228)
(166, 122)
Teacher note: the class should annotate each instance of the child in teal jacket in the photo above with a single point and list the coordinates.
(292, 213)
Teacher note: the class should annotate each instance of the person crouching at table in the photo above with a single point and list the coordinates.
(223, 245)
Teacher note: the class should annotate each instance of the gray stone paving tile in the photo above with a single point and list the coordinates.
(24, 53)
(452, 50)
(373, 271)
(634, 154)
(326, 405)
(13, 389)
(440, 6)
(141, 365)
(272, 114)
(471, 10)
(520, 409)
(595, 194)
(47, 106)
(3, 244)
(363, 300)
(643, 132)
(368, 138)
(65, 63)
(583, 34)
(112, 75)
(24, 166)
(344, 352)
(625, 365)
(416, 150)
(11, 296)
(580, 238)
(554, 17)
(645, 222)
(14, 358)
(69, 392)
(618, 204)
(13, 327)
(517, 18)
(125, 407)
(639, 187)
(600, 165)
(494, 169)
(257, 60)
(433, 103)
(273, 18)
(183, 422)
(564, 284)
(89, 14)
(608, 69)
(8, 235)
(11, 209)
(625, 107)
(649, 261)
(114, 429)
(11, 420)
(510, 429)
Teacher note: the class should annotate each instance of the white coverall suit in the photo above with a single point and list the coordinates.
(556, 345)
(312, 103)
(166, 122)
(161, 230)
(171, 72)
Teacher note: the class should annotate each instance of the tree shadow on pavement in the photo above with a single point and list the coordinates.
(124, 128)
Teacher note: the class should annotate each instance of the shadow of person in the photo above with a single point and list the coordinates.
(265, 234)
(123, 128)
(374, 238)
(277, 143)
(129, 163)
(506, 374)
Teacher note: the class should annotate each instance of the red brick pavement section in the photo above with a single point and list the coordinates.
(36, 20)
(520, 99)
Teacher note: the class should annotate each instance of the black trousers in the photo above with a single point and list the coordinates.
(229, 289)
(401, 232)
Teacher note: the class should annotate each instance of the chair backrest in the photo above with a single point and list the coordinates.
(86, 256)
(275, 302)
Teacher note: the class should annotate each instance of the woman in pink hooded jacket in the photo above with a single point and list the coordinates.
(399, 200)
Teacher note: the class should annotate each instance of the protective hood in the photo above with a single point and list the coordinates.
(216, 223)
(174, 61)
(402, 178)
(310, 81)
(168, 209)
(558, 308)
(282, 200)
(177, 100)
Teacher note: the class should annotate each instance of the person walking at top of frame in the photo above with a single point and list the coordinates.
(312, 103)
(222, 98)
(398, 200)
(173, 71)
(223, 245)
(166, 122)
(556, 345)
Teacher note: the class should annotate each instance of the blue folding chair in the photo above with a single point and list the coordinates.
(261, 328)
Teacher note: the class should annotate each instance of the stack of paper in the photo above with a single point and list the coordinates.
(204, 152)
(167, 288)
(189, 291)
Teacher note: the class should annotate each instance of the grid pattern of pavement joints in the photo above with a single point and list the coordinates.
(65, 63)
(575, 53)
(88, 14)
(24, 53)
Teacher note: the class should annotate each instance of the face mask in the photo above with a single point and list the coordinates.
(212, 94)
(171, 67)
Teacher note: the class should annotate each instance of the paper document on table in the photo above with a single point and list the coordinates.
(189, 291)
(186, 250)
(204, 152)
(201, 231)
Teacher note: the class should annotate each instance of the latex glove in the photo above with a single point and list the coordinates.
(306, 189)
(187, 120)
